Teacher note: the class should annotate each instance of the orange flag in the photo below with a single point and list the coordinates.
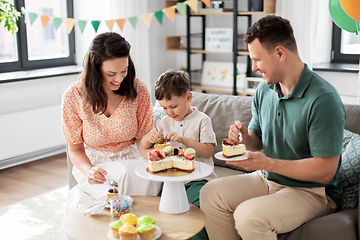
(207, 2)
(193, 4)
(69, 24)
(110, 24)
(121, 23)
(170, 12)
(147, 19)
(45, 20)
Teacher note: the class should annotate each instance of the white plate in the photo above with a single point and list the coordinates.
(158, 233)
(220, 156)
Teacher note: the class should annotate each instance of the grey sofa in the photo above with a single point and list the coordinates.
(224, 110)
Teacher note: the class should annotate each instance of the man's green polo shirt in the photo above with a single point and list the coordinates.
(308, 122)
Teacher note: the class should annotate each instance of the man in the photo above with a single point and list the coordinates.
(298, 122)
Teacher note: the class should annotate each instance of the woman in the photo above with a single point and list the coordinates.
(104, 117)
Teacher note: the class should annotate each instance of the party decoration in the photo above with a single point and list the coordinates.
(44, 20)
(159, 15)
(352, 8)
(193, 4)
(110, 24)
(32, 17)
(147, 19)
(340, 18)
(57, 22)
(207, 2)
(170, 12)
(133, 21)
(121, 23)
(182, 8)
(82, 24)
(69, 22)
(96, 25)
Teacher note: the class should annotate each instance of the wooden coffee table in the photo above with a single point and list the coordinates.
(173, 226)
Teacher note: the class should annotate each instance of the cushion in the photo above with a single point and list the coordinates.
(158, 114)
(350, 170)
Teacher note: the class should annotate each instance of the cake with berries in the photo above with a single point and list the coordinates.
(169, 158)
(112, 192)
(232, 149)
(161, 143)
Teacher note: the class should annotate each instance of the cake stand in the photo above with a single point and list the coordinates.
(173, 197)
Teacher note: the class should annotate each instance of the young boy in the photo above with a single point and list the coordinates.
(184, 126)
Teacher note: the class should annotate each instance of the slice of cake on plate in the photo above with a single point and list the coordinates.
(232, 149)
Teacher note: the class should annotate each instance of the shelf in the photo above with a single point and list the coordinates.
(216, 52)
(220, 90)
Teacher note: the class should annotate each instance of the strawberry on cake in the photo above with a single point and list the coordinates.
(180, 159)
(232, 149)
(161, 143)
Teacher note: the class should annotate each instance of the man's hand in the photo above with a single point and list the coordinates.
(254, 161)
(234, 131)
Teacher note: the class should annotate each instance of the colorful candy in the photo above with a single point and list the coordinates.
(119, 207)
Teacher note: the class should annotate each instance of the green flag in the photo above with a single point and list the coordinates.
(133, 21)
(96, 25)
(32, 17)
(57, 22)
(82, 24)
(159, 15)
(182, 8)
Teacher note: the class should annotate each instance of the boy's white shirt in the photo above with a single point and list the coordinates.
(196, 126)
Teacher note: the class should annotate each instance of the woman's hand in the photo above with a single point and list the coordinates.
(96, 175)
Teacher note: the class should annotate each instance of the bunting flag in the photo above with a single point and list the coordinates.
(147, 19)
(44, 20)
(181, 7)
(69, 22)
(32, 17)
(57, 22)
(121, 23)
(82, 24)
(159, 15)
(207, 2)
(193, 4)
(133, 21)
(110, 24)
(96, 25)
(170, 12)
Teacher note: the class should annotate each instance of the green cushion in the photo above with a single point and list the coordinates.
(350, 170)
(158, 114)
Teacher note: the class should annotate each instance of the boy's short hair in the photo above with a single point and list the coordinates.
(172, 83)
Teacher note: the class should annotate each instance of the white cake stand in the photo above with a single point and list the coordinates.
(173, 197)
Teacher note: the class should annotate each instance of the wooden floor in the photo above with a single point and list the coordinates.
(31, 179)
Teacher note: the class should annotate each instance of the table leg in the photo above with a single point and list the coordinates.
(173, 198)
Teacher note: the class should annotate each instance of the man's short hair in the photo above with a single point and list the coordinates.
(172, 83)
(272, 31)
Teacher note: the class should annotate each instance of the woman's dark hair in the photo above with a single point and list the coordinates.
(105, 46)
(171, 83)
(272, 31)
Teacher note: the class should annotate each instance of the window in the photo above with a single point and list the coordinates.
(345, 46)
(34, 47)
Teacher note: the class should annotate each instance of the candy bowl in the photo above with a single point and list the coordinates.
(121, 204)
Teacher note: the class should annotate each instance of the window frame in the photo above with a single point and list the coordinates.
(337, 56)
(23, 64)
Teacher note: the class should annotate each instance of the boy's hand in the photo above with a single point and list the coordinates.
(174, 137)
(154, 135)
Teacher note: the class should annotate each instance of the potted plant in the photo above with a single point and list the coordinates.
(10, 15)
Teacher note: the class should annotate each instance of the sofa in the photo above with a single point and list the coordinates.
(225, 109)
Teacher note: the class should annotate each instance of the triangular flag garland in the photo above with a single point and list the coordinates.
(70, 22)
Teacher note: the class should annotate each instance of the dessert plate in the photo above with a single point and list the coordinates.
(220, 156)
(158, 233)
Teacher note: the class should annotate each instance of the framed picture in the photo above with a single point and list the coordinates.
(219, 39)
(220, 74)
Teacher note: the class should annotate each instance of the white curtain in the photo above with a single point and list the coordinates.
(312, 26)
